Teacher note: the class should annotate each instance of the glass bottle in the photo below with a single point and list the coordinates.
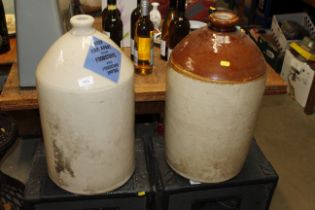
(136, 13)
(179, 27)
(143, 58)
(104, 12)
(4, 37)
(112, 24)
(171, 13)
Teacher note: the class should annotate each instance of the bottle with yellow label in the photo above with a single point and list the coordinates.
(135, 15)
(143, 57)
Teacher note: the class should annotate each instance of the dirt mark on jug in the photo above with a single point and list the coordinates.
(62, 164)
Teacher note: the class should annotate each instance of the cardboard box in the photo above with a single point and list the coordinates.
(300, 18)
(299, 76)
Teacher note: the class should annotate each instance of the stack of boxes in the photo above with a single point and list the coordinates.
(295, 69)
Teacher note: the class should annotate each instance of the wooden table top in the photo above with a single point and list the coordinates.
(10, 56)
(149, 88)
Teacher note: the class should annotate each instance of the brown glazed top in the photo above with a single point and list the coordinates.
(219, 53)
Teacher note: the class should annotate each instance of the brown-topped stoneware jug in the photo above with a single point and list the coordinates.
(215, 84)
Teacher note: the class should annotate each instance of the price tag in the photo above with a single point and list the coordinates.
(103, 59)
(225, 63)
(86, 81)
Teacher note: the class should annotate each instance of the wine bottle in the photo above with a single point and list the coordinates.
(171, 13)
(112, 24)
(136, 13)
(104, 13)
(143, 57)
(179, 27)
(4, 37)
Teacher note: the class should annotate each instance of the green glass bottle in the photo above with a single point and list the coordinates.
(179, 27)
(112, 24)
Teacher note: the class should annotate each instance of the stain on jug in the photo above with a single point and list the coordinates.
(62, 164)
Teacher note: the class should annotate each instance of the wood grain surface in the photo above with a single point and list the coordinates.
(150, 88)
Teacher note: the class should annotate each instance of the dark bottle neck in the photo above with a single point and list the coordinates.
(173, 4)
(138, 3)
(111, 5)
(111, 2)
(181, 7)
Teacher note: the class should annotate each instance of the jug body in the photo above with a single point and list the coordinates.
(86, 101)
(215, 84)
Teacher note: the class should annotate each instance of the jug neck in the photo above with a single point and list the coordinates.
(223, 21)
(82, 25)
(155, 5)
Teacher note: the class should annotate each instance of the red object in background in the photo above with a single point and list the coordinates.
(195, 10)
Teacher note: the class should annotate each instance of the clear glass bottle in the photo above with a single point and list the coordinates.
(136, 13)
(143, 58)
(171, 13)
(112, 24)
(179, 27)
(4, 37)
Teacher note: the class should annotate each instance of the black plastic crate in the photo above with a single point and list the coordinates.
(8, 133)
(252, 189)
(11, 192)
(42, 194)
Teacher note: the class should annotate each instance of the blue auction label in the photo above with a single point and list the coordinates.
(103, 59)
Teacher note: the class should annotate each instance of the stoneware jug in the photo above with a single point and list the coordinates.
(215, 84)
(86, 102)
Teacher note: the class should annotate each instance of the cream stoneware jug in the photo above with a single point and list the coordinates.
(86, 101)
(215, 84)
